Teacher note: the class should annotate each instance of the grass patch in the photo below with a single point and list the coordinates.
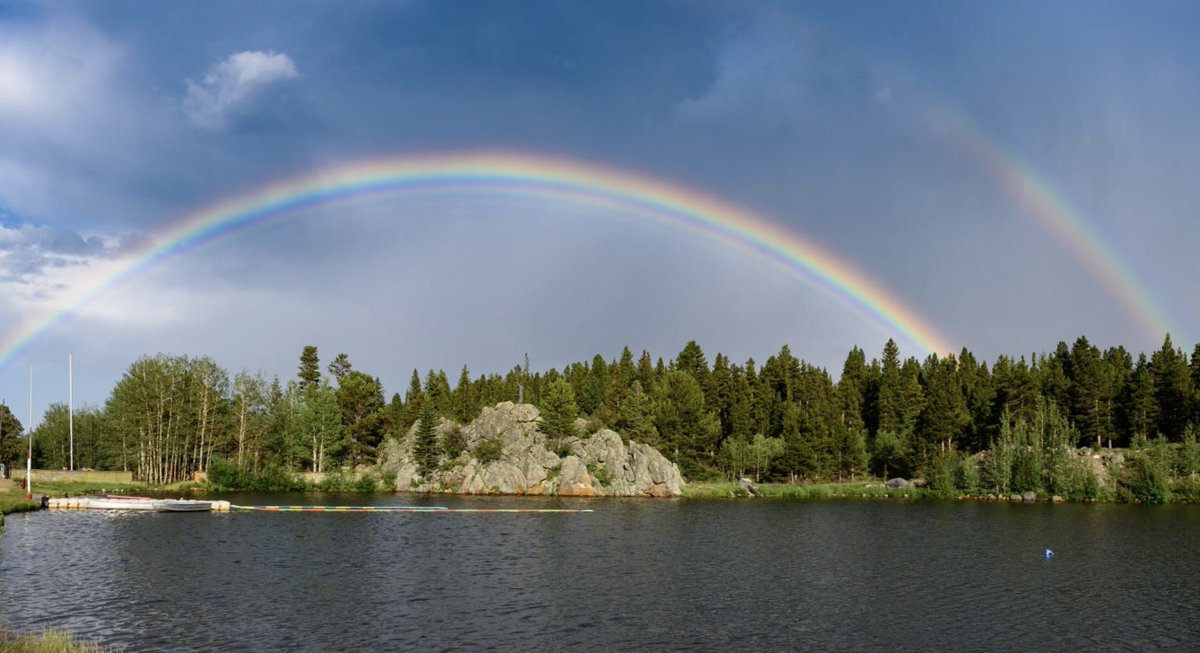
(14, 501)
(13, 498)
(50, 641)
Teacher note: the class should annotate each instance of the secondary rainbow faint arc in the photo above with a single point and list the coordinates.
(520, 173)
(1051, 209)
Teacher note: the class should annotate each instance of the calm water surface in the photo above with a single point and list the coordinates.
(640, 575)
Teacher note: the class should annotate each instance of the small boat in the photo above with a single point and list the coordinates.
(120, 502)
(182, 505)
(117, 502)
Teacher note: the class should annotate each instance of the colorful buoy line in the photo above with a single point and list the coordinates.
(429, 509)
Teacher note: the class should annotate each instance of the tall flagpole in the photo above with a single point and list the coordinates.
(29, 457)
(71, 406)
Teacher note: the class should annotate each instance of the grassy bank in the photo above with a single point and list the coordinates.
(50, 641)
(12, 497)
(875, 489)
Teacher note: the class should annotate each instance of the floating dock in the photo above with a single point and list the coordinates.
(141, 503)
(429, 509)
(123, 503)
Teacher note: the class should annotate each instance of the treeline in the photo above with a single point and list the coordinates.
(781, 420)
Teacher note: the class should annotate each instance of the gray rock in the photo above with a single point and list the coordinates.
(573, 480)
(898, 484)
(601, 464)
(1028, 496)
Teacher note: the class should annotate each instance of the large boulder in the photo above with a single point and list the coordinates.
(573, 480)
(601, 464)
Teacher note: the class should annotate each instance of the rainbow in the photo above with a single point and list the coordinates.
(515, 173)
(1052, 210)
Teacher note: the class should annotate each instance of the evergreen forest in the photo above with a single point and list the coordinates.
(961, 424)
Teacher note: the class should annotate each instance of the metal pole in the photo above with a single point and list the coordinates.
(71, 406)
(29, 457)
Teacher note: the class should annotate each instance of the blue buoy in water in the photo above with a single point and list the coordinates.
(1049, 553)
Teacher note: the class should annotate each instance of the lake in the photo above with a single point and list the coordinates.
(635, 575)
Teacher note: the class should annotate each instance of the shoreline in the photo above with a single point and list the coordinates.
(874, 489)
(12, 499)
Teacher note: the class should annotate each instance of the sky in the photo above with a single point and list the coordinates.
(1008, 174)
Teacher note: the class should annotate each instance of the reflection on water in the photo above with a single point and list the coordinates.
(634, 575)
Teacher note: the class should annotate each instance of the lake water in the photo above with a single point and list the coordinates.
(637, 575)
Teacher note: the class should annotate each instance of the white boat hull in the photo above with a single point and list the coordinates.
(112, 503)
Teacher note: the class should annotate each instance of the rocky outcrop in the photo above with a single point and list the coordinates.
(505, 453)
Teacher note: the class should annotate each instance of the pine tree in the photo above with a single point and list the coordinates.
(360, 400)
(466, 405)
(594, 386)
(889, 407)
(1090, 402)
(620, 376)
(688, 430)
(1054, 375)
(310, 367)
(645, 373)
(1139, 409)
(437, 392)
(425, 444)
(979, 396)
(691, 360)
(1194, 371)
(1172, 390)
(340, 366)
(944, 417)
(636, 420)
(319, 426)
(12, 446)
(852, 389)
(741, 403)
(559, 411)
(414, 399)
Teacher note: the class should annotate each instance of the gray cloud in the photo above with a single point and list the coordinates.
(778, 70)
(27, 251)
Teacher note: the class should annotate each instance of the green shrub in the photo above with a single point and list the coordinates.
(966, 477)
(226, 475)
(454, 442)
(274, 478)
(1186, 489)
(335, 481)
(366, 483)
(488, 450)
(600, 473)
(1070, 477)
(1144, 479)
(940, 474)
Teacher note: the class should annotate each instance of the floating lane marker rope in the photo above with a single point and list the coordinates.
(432, 509)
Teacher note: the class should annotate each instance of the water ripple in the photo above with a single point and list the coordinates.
(633, 576)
